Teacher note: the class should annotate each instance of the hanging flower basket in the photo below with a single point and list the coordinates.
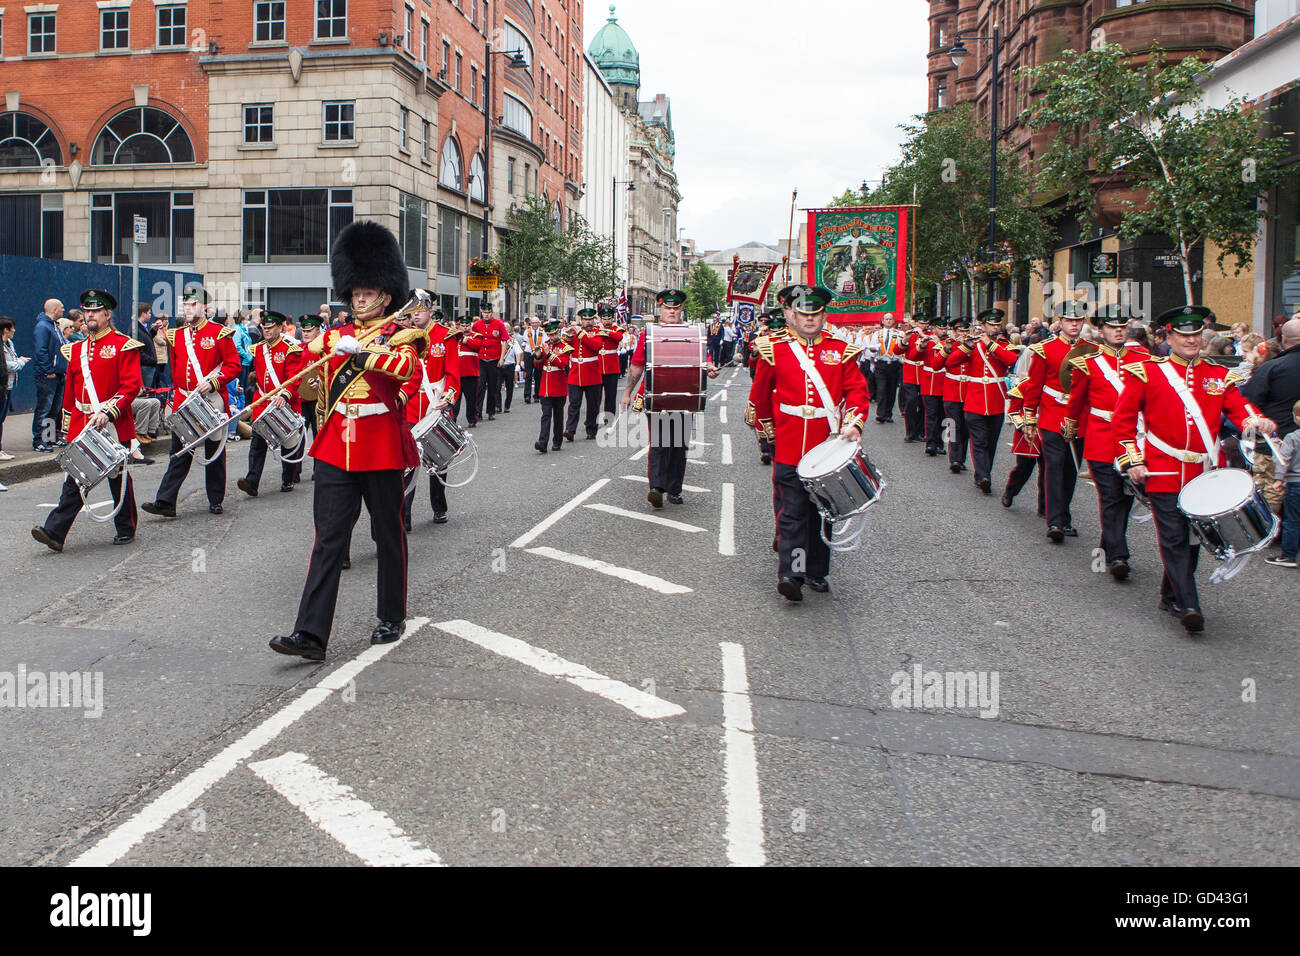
(993, 270)
(484, 266)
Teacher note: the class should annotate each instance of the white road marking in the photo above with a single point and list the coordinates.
(698, 461)
(176, 798)
(641, 454)
(740, 760)
(639, 516)
(722, 414)
(726, 449)
(722, 396)
(692, 488)
(365, 832)
(727, 530)
(648, 581)
(528, 537)
(635, 700)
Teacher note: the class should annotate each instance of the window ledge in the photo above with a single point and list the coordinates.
(255, 147)
(41, 56)
(404, 151)
(264, 44)
(173, 48)
(115, 52)
(349, 145)
(331, 41)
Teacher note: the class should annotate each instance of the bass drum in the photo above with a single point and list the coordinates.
(676, 376)
(1228, 513)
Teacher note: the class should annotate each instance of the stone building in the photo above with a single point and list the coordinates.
(605, 143)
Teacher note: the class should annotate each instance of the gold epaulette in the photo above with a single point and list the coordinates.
(66, 350)
(851, 350)
(1137, 369)
(171, 337)
(766, 349)
(1038, 349)
(1080, 362)
(294, 348)
(1015, 392)
(1234, 377)
(132, 344)
(226, 332)
(417, 337)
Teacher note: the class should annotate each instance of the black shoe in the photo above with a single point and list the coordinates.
(656, 497)
(158, 508)
(528, 401)
(141, 461)
(540, 446)
(247, 487)
(215, 509)
(820, 585)
(123, 538)
(47, 539)
(1007, 501)
(1055, 535)
(1171, 607)
(406, 524)
(765, 458)
(286, 486)
(591, 437)
(299, 644)
(347, 563)
(676, 499)
(889, 421)
(387, 632)
(908, 440)
(880, 421)
(492, 418)
(985, 485)
(1118, 569)
(557, 447)
(1192, 620)
(955, 469)
(472, 425)
(1070, 531)
(440, 517)
(790, 589)
(568, 436)
(931, 451)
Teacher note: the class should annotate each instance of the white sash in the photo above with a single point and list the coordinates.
(1112, 375)
(270, 366)
(85, 374)
(189, 354)
(832, 408)
(979, 347)
(1193, 409)
(433, 391)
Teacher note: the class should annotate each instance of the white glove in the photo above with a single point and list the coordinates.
(347, 345)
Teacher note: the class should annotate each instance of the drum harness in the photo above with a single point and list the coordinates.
(434, 391)
(96, 407)
(199, 379)
(302, 429)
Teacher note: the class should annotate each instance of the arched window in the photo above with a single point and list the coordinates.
(26, 141)
(141, 135)
(477, 183)
(450, 169)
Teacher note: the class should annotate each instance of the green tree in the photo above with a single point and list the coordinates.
(532, 256)
(589, 263)
(705, 293)
(1199, 171)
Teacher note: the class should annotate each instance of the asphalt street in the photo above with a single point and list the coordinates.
(579, 685)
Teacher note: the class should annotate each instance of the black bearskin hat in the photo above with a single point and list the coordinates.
(366, 256)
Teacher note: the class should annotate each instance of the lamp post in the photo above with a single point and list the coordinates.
(516, 62)
(958, 53)
(663, 238)
(631, 187)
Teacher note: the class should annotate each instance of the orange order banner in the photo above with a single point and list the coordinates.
(860, 254)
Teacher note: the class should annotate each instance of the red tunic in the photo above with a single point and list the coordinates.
(954, 383)
(609, 364)
(932, 369)
(912, 359)
(985, 370)
(584, 363)
(1020, 445)
(1093, 397)
(115, 369)
(215, 352)
(1044, 401)
(781, 381)
(441, 363)
(494, 334)
(554, 363)
(288, 359)
(468, 349)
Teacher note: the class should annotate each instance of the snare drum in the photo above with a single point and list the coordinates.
(197, 417)
(91, 458)
(840, 478)
(439, 439)
(280, 427)
(1228, 513)
(676, 377)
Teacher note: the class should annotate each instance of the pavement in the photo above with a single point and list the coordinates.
(578, 685)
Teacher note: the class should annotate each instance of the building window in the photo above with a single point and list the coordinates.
(515, 40)
(114, 29)
(413, 230)
(473, 85)
(425, 152)
(459, 63)
(171, 26)
(258, 127)
(474, 236)
(408, 33)
(32, 225)
(170, 233)
(340, 125)
(941, 96)
(516, 116)
(142, 135)
(424, 41)
(268, 21)
(405, 121)
(331, 19)
(477, 179)
(40, 33)
(510, 175)
(26, 141)
(450, 169)
(446, 58)
(448, 242)
(293, 225)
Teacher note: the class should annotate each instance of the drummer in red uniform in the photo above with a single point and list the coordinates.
(204, 360)
(776, 330)
(276, 358)
(434, 387)
(364, 446)
(551, 358)
(1182, 397)
(103, 380)
(808, 385)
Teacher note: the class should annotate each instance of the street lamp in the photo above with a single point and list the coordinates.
(631, 187)
(663, 237)
(516, 62)
(958, 53)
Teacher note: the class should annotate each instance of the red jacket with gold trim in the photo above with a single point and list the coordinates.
(1044, 401)
(287, 358)
(985, 369)
(215, 352)
(553, 361)
(609, 364)
(115, 370)
(1093, 399)
(441, 362)
(584, 361)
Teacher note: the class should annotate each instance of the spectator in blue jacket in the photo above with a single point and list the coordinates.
(49, 366)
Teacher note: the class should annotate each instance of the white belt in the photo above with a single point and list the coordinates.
(1053, 393)
(352, 410)
(579, 361)
(1182, 454)
(90, 408)
(804, 411)
(1102, 413)
(986, 380)
(609, 351)
(908, 361)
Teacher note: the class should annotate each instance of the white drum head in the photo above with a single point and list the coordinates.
(1216, 492)
(830, 456)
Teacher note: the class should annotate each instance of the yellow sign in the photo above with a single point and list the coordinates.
(482, 283)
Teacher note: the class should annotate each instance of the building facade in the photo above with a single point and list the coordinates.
(606, 141)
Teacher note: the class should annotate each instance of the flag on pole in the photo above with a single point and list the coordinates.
(621, 310)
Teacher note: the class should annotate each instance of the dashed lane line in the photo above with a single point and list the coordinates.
(727, 528)
(639, 516)
(529, 536)
(740, 763)
(722, 414)
(632, 576)
(726, 450)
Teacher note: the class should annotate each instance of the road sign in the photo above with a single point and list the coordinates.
(141, 230)
(1167, 260)
(481, 283)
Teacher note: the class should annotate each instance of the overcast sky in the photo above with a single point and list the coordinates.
(768, 97)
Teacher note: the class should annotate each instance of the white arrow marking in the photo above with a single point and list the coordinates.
(740, 758)
(639, 516)
(637, 701)
(614, 571)
(641, 454)
(365, 832)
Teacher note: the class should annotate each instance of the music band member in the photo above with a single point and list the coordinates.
(984, 361)
(670, 432)
(468, 345)
(103, 380)
(434, 387)
(933, 378)
(909, 395)
(1182, 398)
(776, 330)
(204, 361)
(809, 386)
(309, 386)
(886, 347)
(551, 359)
(495, 334)
(1028, 454)
(364, 446)
(954, 403)
(585, 377)
(610, 369)
(276, 359)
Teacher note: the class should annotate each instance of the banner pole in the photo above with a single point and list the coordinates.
(913, 214)
(789, 242)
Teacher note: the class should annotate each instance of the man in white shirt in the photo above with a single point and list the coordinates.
(886, 347)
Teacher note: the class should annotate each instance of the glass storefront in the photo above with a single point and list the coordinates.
(1284, 231)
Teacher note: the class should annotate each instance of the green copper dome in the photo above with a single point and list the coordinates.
(614, 53)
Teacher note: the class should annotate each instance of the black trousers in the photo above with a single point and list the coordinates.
(508, 383)
(532, 378)
(214, 475)
(1059, 476)
(468, 386)
(954, 413)
(1024, 467)
(888, 375)
(437, 496)
(933, 420)
(670, 441)
(1178, 550)
(610, 385)
(489, 386)
(59, 521)
(552, 421)
(799, 527)
(984, 431)
(336, 505)
(257, 461)
(623, 359)
(869, 373)
(576, 394)
(309, 413)
(1114, 506)
(913, 410)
